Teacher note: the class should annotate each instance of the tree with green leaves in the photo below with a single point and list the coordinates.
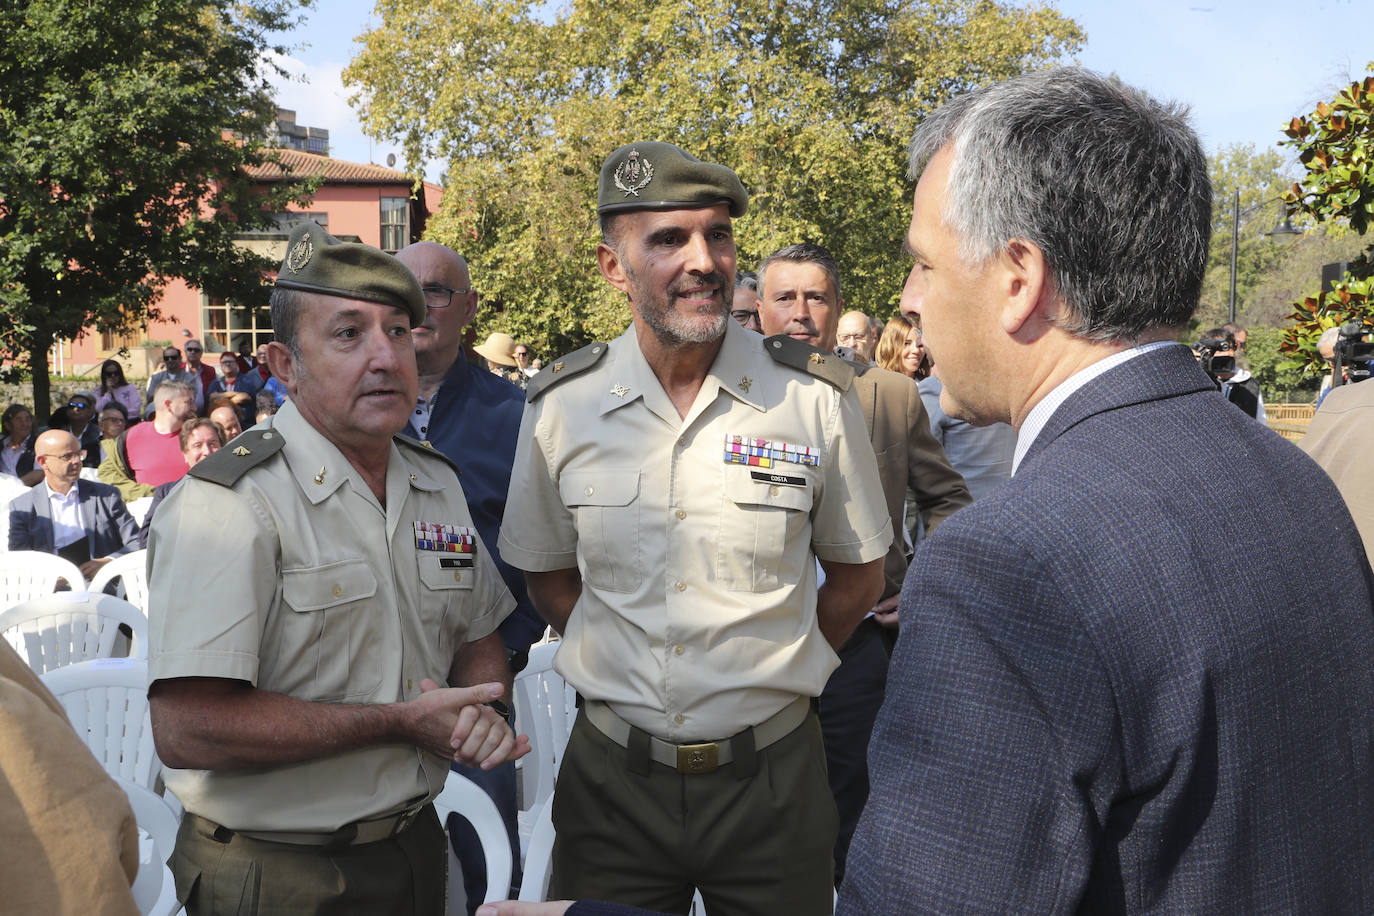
(123, 137)
(811, 102)
(1335, 145)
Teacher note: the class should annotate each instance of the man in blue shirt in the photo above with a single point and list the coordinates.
(473, 417)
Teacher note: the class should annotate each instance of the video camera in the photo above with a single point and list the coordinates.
(1353, 355)
(1215, 366)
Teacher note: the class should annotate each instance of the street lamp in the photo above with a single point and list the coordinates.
(1284, 229)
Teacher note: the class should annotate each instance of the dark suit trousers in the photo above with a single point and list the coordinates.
(848, 707)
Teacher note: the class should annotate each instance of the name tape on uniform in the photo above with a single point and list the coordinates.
(764, 453)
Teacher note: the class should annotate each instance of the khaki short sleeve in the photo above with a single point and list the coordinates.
(537, 531)
(850, 522)
(212, 576)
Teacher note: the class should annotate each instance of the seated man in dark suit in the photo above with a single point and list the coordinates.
(79, 520)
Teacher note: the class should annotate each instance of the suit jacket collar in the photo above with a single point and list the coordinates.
(1163, 373)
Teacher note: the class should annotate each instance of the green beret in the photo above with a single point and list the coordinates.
(660, 176)
(316, 262)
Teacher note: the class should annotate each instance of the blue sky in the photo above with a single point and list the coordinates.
(1245, 68)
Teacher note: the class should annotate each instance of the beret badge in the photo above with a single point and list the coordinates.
(300, 254)
(634, 174)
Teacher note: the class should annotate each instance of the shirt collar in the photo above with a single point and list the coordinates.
(631, 377)
(1040, 414)
(54, 496)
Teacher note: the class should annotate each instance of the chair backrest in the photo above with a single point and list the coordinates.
(545, 707)
(139, 508)
(107, 702)
(131, 569)
(71, 627)
(26, 574)
(153, 814)
(534, 884)
(462, 797)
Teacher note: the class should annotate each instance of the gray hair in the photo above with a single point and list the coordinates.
(1111, 185)
(805, 253)
(286, 305)
(746, 279)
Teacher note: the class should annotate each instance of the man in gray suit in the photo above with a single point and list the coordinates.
(79, 520)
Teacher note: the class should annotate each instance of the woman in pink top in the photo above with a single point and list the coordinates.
(113, 387)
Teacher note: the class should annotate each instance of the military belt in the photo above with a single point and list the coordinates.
(354, 834)
(702, 757)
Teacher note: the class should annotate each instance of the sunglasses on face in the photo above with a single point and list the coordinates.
(78, 405)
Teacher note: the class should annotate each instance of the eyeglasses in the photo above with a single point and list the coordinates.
(171, 356)
(194, 350)
(79, 405)
(851, 338)
(111, 374)
(521, 354)
(743, 315)
(441, 297)
(66, 456)
(120, 420)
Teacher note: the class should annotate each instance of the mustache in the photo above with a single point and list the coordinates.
(715, 278)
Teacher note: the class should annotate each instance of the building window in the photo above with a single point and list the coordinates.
(395, 223)
(229, 327)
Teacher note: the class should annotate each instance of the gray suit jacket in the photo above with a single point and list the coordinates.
(1125, 685)
(110, 528)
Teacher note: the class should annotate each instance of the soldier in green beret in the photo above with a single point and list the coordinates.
(307, 715)
(671, 493)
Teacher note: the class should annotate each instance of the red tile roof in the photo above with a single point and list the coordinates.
(335, 171)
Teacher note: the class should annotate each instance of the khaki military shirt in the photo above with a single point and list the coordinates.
(297, 581)
(697, 616)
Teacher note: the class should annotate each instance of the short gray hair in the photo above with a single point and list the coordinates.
(805, 253)
(286, 305)
(1111, 185)
(746, 279)
(170, 387)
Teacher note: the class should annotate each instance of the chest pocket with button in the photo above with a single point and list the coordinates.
(605, 506)
(325, 639)
(445, 588)
(760, 523)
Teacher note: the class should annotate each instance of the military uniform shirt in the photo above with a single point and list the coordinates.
(297, 581)
(697, 616)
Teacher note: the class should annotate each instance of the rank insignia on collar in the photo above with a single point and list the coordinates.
(242, 452)
(300, 255)
(634, 174)
(745, 382)
(817, 359)
(620, 391)
(557, 368)
(319, 478)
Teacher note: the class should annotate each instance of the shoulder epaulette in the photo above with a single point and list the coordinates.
(805, 358)
(564, 368)
(428, 449)
(246, 451)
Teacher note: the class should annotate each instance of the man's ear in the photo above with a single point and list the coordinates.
(1021, 276)
(470, 303)
(612, 267)
(282, 364)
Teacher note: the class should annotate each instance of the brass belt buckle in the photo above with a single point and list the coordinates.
(697, 758)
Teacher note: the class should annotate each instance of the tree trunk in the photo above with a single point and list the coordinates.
(42, 384)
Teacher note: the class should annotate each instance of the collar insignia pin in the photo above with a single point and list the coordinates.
(817, 358)
(557, 368)
(620, 391)
(319, 478)
(242, 452)
(632, 175)
(745, 383)
(414, 479)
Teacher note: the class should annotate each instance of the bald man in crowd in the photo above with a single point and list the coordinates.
(79, 520)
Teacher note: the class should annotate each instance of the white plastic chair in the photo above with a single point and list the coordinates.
(107, 702)
(70, 627)
(139, 508)
(539, 857)
(26, 574)
(545, 708)
(463, 797)
(131, 569)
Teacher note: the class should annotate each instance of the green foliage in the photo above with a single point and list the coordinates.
(812, 103)
(1335, 145)
(115, 170)
(1271, 368)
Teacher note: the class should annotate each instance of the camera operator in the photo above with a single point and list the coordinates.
(1216, 352)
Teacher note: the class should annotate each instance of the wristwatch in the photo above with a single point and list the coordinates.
(503, 711)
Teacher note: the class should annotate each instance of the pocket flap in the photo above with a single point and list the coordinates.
(315, 588)
(445, 570)
(606, 487)
(750, 487)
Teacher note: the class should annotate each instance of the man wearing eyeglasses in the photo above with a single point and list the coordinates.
(473, 417)
(172, 372)
(79, 520)
(80, 416)
(204, 375)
